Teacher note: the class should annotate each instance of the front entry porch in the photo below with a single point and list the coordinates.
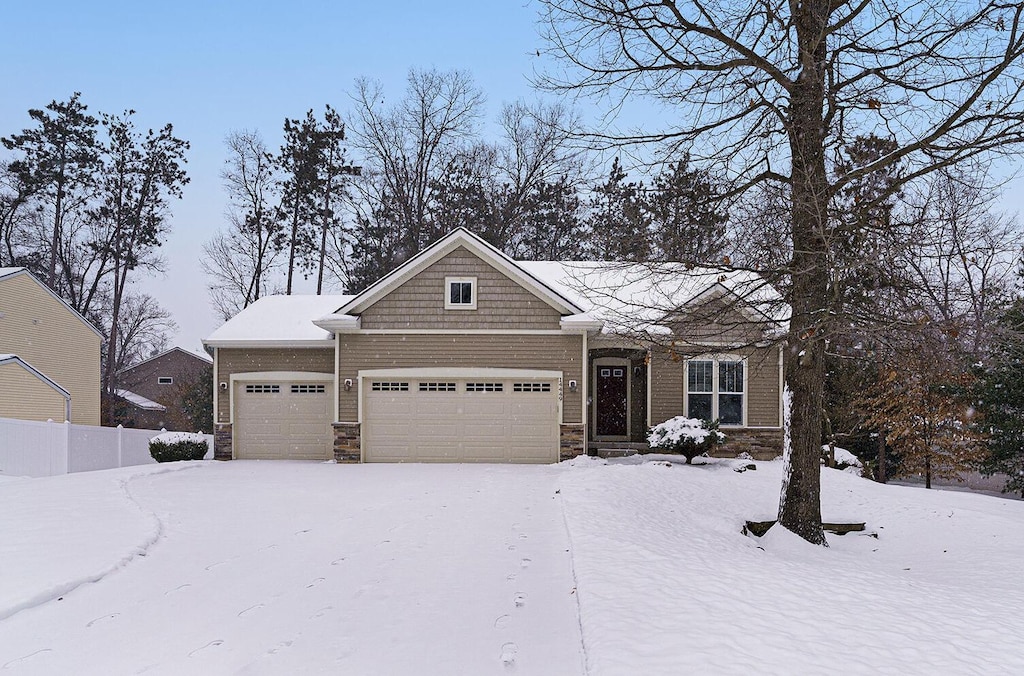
(617, 398)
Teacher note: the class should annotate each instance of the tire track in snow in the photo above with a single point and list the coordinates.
(575, 581)
(56, 592)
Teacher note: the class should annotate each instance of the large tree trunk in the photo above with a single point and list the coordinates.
(800, 509)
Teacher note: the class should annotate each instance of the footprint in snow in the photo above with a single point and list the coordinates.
(218, 564)
(519, 599)
(523, 536)
(511, 577)
(320, 613)
(24, 658)
(250, 610)
(178, 589)
(335, 562)
(211, 644)
(263, 549)
(525, 563)
(100, 619)
(508, 654)
(304, 530)
(279, 647)
(511, 548)
(502, 621)
(314, 583)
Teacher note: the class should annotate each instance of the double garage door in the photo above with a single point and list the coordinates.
(440, 419)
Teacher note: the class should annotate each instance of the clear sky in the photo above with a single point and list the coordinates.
(215, 66)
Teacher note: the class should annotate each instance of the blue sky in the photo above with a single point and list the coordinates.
(211, 67)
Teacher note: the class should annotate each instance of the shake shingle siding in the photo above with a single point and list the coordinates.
(501, 302)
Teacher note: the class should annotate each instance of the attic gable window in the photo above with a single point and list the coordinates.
(460, 293)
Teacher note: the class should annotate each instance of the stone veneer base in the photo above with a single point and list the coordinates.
(346, 442)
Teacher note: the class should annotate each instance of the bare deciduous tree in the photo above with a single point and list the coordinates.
(770, 91)
(242, 259)
(408, 144)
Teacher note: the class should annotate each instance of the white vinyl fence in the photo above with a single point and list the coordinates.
(38, 449)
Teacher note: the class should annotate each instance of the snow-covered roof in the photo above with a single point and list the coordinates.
(281, 320)
(636, 297)
(201, 357)
(140, 401)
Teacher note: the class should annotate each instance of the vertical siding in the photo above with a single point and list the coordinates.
(668, 381)
(419, 302)
(24, 397)
(41, 330)
(245, 360)
(547, 352)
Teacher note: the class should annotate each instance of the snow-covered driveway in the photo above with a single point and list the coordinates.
(249, 567)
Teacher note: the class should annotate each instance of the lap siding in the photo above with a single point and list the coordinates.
(234, 360)
(546, 352)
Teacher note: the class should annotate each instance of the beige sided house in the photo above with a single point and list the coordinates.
(463, 354)
(49, 354)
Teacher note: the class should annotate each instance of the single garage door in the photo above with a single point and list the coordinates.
(290, 420)
(460, 420)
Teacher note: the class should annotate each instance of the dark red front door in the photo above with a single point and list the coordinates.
(611, 401)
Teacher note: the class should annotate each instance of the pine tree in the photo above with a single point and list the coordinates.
(618, 221)
(1002, 397)
(687, 219)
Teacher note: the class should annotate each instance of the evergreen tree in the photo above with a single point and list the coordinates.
(1002, 397)
(300, 160)
(60, 162)
(553, 229)
(687, 219)
(618, 221)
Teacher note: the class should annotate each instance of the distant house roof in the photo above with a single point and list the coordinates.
(7, 273)
(200, 357)
(279, 320)
(140, 401)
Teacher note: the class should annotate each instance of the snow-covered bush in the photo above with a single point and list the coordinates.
(689, 437)
(174, 446)
(844, 460)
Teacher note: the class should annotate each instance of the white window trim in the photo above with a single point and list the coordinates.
(160, 380)
(448, 304)
(715, 359)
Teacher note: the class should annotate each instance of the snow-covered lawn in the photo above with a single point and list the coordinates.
(583, 567)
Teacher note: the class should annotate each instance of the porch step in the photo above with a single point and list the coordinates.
(615, 452)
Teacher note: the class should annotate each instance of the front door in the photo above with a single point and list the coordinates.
(612, 406)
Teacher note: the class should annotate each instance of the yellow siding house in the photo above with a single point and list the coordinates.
(49, 354)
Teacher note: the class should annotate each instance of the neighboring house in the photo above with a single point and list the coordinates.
(464, 354)
(51, 364)
(153, 390)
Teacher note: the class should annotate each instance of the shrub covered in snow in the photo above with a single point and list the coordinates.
(687, 436)
(174, 446)
(844, 460)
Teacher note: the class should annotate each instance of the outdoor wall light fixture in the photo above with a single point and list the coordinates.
(223, 387)
(348, 384)
(572, 386)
